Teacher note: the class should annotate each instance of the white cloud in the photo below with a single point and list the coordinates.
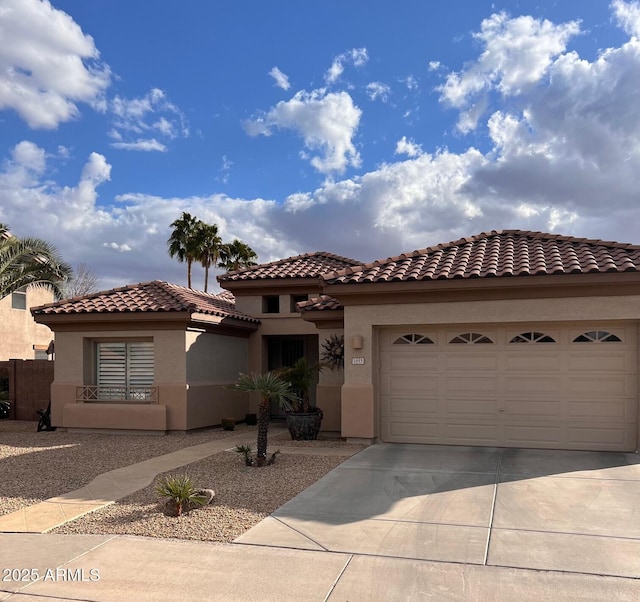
(627, 15)
(411, 82)
(517, 55)
(357, 57)
(407, 147)
(122, 248)
(30, 156)
(434, 65)
(141, 144)
(47, 64)
(282, 81)
(138, 122)
(225, 169)
(326, 121)
(379, 90)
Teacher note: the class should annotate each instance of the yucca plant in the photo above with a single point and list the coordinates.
(271, 388)
(180, 490)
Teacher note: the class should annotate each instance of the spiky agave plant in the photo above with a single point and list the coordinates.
(180, 490)
(270, 388)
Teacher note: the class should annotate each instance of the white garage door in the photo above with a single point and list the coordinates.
(558, 387)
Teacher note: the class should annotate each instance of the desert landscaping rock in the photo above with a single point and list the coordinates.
(38, 466)
(244, 496)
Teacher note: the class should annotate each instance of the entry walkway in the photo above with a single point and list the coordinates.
(116, 484)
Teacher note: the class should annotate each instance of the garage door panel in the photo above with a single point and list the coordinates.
(517, 360)
(471, 433)
(469, 362)
(469, 407)
(534, 407)
(625, 410)
(414, 384)
(532, 385)
(397, 405)
(602, 360)
(526, 435)
(413, 432)
(606, 386)
(408, 362)
(609, 436)
(472, 386)
(560, 395)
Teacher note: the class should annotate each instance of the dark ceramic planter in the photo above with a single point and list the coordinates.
(304, 426)
(251, 419)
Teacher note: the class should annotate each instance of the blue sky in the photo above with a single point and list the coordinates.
(363, 128)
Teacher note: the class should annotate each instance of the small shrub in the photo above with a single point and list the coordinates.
(180, 491)
(246, 451)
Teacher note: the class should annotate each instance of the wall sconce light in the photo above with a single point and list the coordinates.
(356, 342)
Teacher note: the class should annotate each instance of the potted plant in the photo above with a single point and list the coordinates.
(271, 388)
(228, 424)
(303, 418)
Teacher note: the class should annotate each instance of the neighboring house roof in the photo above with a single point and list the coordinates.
(499, 253)
(309, 265)
(323, 302)
(227, 296)
(155, 296)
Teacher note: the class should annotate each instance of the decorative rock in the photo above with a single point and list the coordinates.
(207, 494)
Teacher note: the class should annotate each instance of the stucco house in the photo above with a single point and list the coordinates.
(507, 338)
(146, 357)
(20, 336)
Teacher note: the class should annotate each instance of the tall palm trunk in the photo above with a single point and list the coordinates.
(263, 429)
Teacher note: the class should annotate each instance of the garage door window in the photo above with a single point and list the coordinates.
(532, 337)
(413, 339)
(471, 338)
(597, 336)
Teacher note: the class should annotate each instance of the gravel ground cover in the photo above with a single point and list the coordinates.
(244, 496)
(36, 466)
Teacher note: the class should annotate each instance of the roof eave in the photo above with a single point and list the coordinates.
(580, 279)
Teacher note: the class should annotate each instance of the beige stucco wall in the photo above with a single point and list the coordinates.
(329, 387)
(359, 409)
(74, 367)
(18, 331)
(213, 362)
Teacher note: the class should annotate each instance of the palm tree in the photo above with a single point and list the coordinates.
(271, 388)
(236, 255)
(182, 241)
(208, 245)
(26, 261)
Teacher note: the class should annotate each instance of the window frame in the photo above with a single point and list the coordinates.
(19, 294)
(137, 364)
(270, 304)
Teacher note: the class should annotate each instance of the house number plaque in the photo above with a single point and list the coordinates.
(357, 361)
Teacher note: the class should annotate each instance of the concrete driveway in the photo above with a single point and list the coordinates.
(574, 512)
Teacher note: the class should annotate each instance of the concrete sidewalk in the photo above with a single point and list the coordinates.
(36, 567)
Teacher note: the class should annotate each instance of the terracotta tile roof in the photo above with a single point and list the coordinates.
(155, 296)
(498, 253)
(309, 265)
(320, 303)
(227, 296)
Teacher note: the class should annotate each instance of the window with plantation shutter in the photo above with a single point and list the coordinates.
(124, 370)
